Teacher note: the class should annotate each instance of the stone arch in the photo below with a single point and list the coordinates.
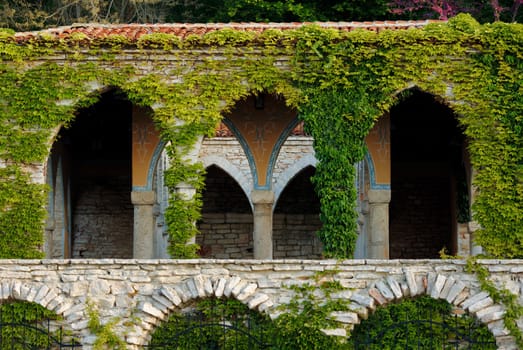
(168, 298)
(296, 219)
(226, 222)
(233, 171)
(285, 177)
(429, 169)
(48, 296)
(459, 292)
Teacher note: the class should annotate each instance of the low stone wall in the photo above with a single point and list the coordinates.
(140, 294)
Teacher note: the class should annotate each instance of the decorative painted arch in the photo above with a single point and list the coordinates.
(285, 177)
(244, 182)
(460, 293)
(165, 299)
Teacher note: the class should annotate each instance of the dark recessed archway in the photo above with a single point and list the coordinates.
(226, 224)
(96, 152)
(426, 161)
(297, 218)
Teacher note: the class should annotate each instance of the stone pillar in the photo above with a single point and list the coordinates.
(143, 235)
(187, 192)
(378, 230)
(475, 249)
(262, 232)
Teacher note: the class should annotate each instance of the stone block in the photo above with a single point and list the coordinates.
(395, 287)
(42, 292)
(191, 287)
(199, 283)
(363, 300)
(148, 308)
(345, 317)
(207, 287)
(384, 290)
(462, 296)
(220, 287)
(247, 291)
(16, 289)
(338, 332)
(491, 313)
(64, 307)
(474, 299)
(78, 288)
(238, 288)
(73, 309)
(449, 283)
(265, 306)
(171, 295)
(438, 286)
(454, 291)
(480, 305)
(230, 285)
(376, 295)
(497, 328)
(257, 300)
(105, 302)
(166, 303)
(411, 281)
(6, 290)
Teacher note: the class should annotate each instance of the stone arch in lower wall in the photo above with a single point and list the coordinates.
(458, 292)
(73, 310)
(167, 299)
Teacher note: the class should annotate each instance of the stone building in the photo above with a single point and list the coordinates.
(106, 171)
(108, 197)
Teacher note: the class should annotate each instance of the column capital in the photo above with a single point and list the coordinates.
(143, 197)
(262, 197)
(379, 196)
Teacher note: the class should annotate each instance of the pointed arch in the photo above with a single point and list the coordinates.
(233, 171)
(284, 178)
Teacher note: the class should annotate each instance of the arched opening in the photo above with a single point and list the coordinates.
(93, 168)
(214, 323)
(226, 224)
(297, 218)
(428, 178)
(421, 323)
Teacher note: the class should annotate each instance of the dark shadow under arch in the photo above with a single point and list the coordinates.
(227, 223)
(95, 154)
(297, 218)
(427, 166)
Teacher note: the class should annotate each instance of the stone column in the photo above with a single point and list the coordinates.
(378, 230)
(187, 192)
(262, 232)
(143, 235)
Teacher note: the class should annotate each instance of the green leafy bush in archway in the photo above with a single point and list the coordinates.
(421, 323)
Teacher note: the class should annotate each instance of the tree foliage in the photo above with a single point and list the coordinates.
(22, 15)
(483, 10)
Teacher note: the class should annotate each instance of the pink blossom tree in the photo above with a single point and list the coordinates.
(443, 9)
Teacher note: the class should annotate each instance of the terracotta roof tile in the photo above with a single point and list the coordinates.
(182, 30)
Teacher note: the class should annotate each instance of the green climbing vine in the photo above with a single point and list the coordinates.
(341, 83)
(514, 310)
(106, 338)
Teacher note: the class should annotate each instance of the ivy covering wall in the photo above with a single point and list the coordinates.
(341, 83)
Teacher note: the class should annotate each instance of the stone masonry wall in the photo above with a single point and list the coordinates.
(141, 294)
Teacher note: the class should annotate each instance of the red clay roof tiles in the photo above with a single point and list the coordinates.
(182, 30)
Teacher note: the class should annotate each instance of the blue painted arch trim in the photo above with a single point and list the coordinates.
(372, 174)
(273, 157)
